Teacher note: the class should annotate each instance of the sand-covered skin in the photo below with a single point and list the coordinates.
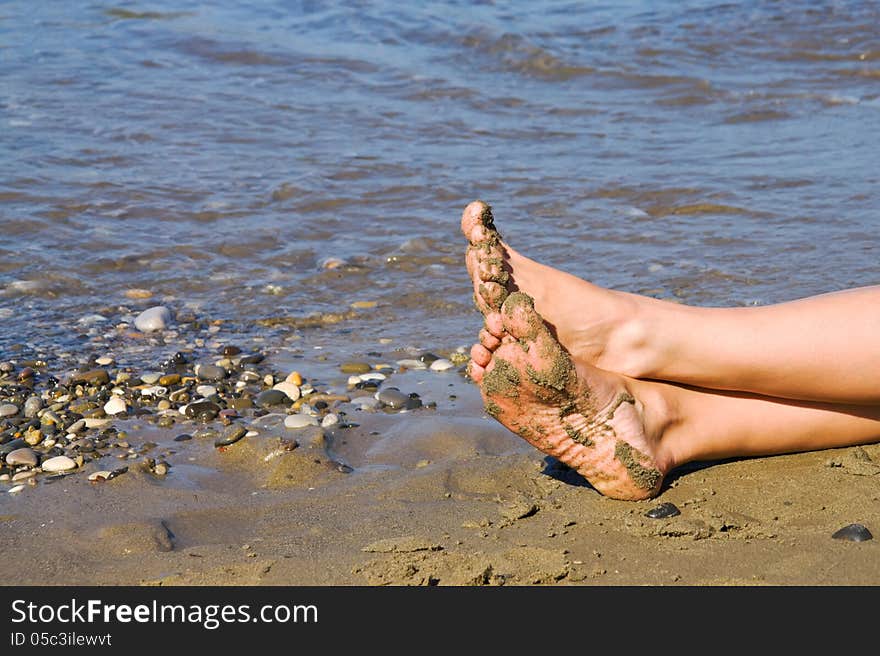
(451, 498)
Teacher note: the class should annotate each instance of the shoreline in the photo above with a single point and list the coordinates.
(435, 495)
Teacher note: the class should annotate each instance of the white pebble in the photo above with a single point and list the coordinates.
(103, 475)
(58, 463)
(366, 402)
(206, 390)
(373, 376)
(300, 421)
(329, 420)
(290, 389)
(412, 364)
(16, 489)
(94, 422)
(115, 405)
(154, 390)
(152, 319)
(104, 360)
(441, 365)
(354, 380)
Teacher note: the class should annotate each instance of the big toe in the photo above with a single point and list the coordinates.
(477, 223)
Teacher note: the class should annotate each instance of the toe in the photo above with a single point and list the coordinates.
(488, 340)
(476, 372)
(492, 294)
(494, 324)
(519, 317)
(476, 222)
(480, 354)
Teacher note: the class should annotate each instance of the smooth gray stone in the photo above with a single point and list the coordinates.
(23, 456)
(8, 410)
(210, 372)
(393, 398)
(271, 397)
(153, 319)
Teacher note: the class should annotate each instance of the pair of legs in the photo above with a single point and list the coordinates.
(624, 388)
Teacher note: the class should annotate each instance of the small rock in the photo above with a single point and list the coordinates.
(58, 464)
(8, 410)
(393, 398)
(663, 511)
(205, 390)
(151, 377)
(104, 360)
(183, 438)
(329, 420)
(168, 380)
(153, 319)
(441, 364)
(24, 456)
(853, 533)
(115, 405)
(271, 397)
(300, 421)
(232, 435)
(210, 372)
(291, 390)
(91, 377)
(202, 410)
(355, 368)
(294, 378)
(409, 363)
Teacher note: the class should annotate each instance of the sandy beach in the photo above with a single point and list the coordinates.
(432, 496)
(287, 179)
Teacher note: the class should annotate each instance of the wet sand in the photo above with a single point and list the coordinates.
(442, 496)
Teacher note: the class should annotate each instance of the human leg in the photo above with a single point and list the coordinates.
(625, 435)
(825, 348)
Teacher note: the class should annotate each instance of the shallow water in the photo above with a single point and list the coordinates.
(714, 153)
(259, 167)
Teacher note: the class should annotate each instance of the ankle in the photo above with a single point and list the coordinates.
(631, 347)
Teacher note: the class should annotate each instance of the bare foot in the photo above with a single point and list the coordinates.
(585, 417)
(597, 326)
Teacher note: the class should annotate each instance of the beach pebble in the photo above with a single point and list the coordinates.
(393, 397)
(91, 377)
(8, 410)
(152, 319)
(411, 364)
(441, 364)
(291, 390)
(205, 390)
(210, 372)
(58, 464)
(294, 378)
(16, 489)
(366, 402)
(104, 360)
(168, 380)
(271, 397)
(23, 456)
(355, 367)
(202, 410)
(99, 476)
(300, 421)
(372, 376)
(154, 390)
(23, 476)
(77, 426)
(115, 405)
(853, 533)
(329, 420)
(354, 380)
(232, 435)
(663, 511)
